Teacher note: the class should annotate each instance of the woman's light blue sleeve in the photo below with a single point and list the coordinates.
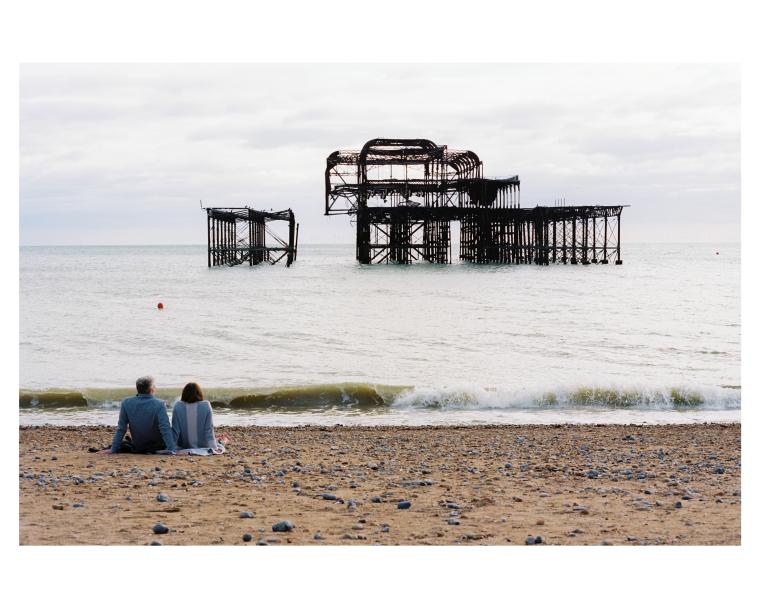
(175, 422)
(209, 430)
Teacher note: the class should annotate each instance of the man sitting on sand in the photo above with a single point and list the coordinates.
(148, 423)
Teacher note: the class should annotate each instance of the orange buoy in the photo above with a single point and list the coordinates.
(160, 306)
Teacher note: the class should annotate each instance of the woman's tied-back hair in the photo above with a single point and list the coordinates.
(192, 393)
(143, 384)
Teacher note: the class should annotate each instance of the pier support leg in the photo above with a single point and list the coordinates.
(362, 236)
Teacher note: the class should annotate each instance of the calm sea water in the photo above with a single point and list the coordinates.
(329, 341)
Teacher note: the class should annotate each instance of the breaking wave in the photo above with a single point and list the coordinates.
(371, 397)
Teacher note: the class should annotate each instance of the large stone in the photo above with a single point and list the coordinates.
(283, 526)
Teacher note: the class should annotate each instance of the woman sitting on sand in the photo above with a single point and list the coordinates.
(193, 422)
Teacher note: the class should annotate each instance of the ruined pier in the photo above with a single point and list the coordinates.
(403, 195)
(237, 235)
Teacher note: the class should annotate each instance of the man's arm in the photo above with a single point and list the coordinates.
(121, 429)
(166, 429)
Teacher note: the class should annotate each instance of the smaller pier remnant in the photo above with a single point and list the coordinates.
(237, 235)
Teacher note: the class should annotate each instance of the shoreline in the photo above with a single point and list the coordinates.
(485, 484)
(414, 419)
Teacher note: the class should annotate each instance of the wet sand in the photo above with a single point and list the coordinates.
(489, 485)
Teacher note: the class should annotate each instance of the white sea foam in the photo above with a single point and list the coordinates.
(569, 397)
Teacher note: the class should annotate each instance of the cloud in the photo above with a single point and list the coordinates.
(102, 145)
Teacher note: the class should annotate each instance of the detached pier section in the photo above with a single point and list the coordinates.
(404, 193)
(237, 235)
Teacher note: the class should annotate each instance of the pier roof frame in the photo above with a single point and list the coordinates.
(449, 177)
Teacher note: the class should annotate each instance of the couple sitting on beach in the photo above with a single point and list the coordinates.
(191, 430)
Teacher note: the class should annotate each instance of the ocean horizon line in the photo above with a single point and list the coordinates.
(330, 244)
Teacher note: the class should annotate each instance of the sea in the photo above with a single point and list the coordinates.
(328, 341)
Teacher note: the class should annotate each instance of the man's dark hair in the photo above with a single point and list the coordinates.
(144, 384)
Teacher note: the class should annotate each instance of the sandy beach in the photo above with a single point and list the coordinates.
(486, 485)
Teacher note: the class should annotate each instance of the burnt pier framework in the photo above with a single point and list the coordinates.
(237, 235)
(403, 195)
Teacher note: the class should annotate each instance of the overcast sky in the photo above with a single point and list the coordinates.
(122, 153)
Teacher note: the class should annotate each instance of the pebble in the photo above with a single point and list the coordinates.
(329, 497)
(530, 541)
(641, 475)
(317, 536)
(678, 505)
(262, 543)
(246, 515)
(155, 543)
(524, 467)
(385, 528)
(376, 499)
(453, 521)
(247, 538)
(357, 527)
(592, 474)
(78, 505)
(452, 505)
(283, 526)
(719, 470)
(404, 504)
(517, 499)
(160, 529)
(162, 497)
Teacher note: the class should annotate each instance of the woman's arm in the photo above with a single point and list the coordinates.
(208, 431)
(176, 426)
